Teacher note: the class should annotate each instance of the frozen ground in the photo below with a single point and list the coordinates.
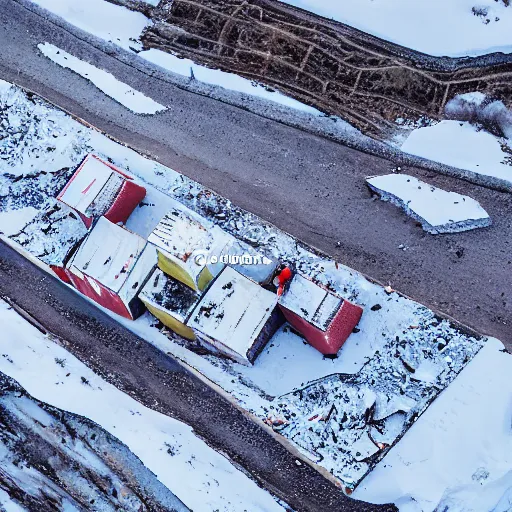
(463, 145)
(87, 465)
(458, 455)
(418, 354)
(437, 210)
(453, 28)
(105, 82)
(95, 17)
(202, 478)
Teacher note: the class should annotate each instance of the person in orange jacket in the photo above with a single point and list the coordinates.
(282, 278)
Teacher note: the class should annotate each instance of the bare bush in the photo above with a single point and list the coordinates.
(477, 108)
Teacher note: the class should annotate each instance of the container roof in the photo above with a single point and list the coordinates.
(233, 311)
(109, 254)
(310, 301)
(87, 183)
(180, 232)
(183, 234)
(168, 294)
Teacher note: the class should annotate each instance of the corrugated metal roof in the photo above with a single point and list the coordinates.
(233, 311)
(109, 254)
(310, 301)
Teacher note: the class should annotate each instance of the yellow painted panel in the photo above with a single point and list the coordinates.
(174, 269)
(171, 322)
(204, 278)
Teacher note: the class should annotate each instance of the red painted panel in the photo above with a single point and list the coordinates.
(113, 167)
(330, 341)
(117, 211)
(87, 220)
(126, 201)
(106, 298)
(61, 273)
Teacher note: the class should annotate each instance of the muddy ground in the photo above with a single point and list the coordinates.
(338, 69)
(326, 64)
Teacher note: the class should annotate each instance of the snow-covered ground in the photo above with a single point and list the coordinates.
(105, 82)
(8, 504)
(14, 222)
(53, 460)
(397, 338)
(463, 145)
(202, 478)
(96, 17)
(458, 455)
(105, 20)
(438, 211)
(453, 28)
(231, 81)
(479, 154)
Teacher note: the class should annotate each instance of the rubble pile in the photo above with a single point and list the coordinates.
(55, 230)
(349, 422)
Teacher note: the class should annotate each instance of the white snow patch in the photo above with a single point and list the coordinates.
(202, 478)
(95, 17)
(438, 211)
(58, 136)
(460, 450)
(8, 505)
(221, 78)
(475, 97)
(14, 221)
(104, 81)
(103, 19)
(463, 145)
(436, 27)
(125, 158)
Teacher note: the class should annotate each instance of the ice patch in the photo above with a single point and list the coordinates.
(438, 211)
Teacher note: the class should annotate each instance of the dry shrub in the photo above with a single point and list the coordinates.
(478, 108)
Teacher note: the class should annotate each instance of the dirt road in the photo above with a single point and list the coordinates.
(309, 186)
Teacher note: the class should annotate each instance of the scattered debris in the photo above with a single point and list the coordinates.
(378, 346)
